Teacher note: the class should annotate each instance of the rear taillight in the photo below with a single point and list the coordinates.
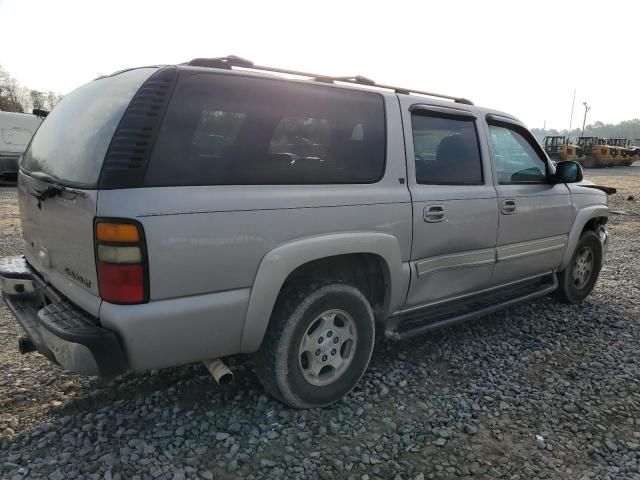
(121, 260)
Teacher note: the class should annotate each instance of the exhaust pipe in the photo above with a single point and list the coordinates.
(219, 371)
(25, 345)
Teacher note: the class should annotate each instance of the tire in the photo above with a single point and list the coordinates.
(573, 286)
(588, 162)
(316, 315)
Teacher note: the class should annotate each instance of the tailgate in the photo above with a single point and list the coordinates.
(59, 244)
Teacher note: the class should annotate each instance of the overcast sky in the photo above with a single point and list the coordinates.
(525, 58)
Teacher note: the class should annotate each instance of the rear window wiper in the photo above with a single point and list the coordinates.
(49, 192)
(53, 190)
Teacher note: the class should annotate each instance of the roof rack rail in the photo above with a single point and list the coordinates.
(233, 61)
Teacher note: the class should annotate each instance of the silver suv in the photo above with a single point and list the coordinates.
(187, 213)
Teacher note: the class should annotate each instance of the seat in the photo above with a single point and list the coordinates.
(457, 161)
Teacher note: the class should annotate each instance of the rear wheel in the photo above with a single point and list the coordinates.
(318, 345)
(577, 280)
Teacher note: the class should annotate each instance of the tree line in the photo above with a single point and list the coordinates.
(626, 129)
(15, 97)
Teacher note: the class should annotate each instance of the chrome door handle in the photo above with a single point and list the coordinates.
(433, 213)
(508, 206)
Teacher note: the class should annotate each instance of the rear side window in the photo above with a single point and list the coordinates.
(71, 143)
(516, 159)
(446, 151)
(228, 129)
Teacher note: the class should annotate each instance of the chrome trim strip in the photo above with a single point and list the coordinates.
(524, 249)
(456, 260)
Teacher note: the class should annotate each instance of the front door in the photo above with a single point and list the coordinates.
(535, 214)
(455, 213)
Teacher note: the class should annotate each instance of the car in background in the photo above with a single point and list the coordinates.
(16, 130)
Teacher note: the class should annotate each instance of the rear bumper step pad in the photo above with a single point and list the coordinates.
(60, 331)
(71, 325)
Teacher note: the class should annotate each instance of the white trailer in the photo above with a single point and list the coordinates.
(16, 130)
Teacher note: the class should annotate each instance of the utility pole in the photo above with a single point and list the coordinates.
(573, 104)
(584, 122)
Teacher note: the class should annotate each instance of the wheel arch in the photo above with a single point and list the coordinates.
(587, 218)
(279, 264)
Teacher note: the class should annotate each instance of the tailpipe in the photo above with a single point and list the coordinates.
(25, 345)
(219, 371)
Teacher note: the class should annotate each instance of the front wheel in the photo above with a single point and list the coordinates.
(577, 280)
(317, 346)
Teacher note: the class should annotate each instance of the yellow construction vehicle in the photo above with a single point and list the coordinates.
(627, 153)
(559, 148)
(593, 153)
(610, 154)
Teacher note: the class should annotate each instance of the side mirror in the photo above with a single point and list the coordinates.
(568, 172)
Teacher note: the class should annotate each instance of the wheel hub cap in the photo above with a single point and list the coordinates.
(582, 268)
(327, 347)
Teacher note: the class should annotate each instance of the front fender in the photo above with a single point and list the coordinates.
(276, 266)
(582, 218)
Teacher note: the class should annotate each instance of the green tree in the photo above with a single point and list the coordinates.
(18, 98)
(38, 99)
(11, 93)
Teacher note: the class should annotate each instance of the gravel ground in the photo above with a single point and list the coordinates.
(542, 390)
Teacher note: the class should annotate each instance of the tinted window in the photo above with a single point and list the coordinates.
(228, 129)
(446, 151)
(215, 131)
(516, 160)
(302, 138)
(71, 143)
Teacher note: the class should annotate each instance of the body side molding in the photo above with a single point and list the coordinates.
(457, 260)
(487, 256)
(532, 247)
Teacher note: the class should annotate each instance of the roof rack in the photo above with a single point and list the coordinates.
(233, 61)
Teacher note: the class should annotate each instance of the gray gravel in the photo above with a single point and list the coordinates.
(541, 391)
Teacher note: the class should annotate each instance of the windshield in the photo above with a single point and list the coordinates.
(71, 144)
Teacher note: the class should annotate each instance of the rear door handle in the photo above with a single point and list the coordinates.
(508, 206)
(433, 213)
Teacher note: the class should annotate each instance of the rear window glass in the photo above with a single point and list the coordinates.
(72, 142)
(228, 129)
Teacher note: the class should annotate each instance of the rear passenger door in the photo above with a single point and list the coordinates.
(455, 216)
(535, 214)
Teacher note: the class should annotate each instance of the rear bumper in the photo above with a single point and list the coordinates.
(62, 332)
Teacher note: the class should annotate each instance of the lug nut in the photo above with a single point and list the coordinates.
(317, 352)
(320, 340)
(329, 333)
(324, 358)
(336, 339)
(333, 352)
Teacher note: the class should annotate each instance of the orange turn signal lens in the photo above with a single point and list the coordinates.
(117, 232)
